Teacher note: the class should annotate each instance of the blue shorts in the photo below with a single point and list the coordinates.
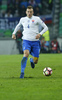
(32, 46)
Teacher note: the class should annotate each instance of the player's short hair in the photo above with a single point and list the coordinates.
(29, 7)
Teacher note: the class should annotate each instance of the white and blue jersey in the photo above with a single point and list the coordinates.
(31, 27)
(30, 30)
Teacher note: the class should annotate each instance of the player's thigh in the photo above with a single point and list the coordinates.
(26, 45)
(36, 50)
(26, 48)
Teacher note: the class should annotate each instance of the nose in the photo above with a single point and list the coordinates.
(29, 13)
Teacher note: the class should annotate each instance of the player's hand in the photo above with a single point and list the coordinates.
(13, 36)
(38, 36)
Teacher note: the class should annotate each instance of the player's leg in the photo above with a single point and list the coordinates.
(23, 62)
(26, 50)
(35, 54)
(33, 61)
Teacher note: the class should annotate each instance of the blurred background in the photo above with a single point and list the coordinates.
(50, 11)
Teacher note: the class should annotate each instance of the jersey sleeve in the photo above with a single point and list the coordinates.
(45, 28)
(17, 27)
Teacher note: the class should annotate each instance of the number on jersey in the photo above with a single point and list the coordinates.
(28, 26)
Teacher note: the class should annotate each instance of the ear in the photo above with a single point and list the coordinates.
(26, 12)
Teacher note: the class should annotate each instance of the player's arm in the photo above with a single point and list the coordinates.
(45, 28)
(16, 29)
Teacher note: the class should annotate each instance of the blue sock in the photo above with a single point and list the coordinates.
(31, 60)
(32, 63)
(23, 64)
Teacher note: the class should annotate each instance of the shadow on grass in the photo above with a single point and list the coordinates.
(30, 77)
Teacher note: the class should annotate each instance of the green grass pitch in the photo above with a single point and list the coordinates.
(35, 86)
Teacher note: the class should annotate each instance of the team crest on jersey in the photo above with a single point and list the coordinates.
(32, 21)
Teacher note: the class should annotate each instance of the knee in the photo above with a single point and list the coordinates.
(26, 53)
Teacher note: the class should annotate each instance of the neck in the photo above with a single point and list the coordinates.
(30, 17)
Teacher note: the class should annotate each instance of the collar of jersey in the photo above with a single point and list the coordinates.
(30, 18)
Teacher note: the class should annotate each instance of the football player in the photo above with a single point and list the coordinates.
(31, 35)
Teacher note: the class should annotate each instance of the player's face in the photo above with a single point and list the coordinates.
(29, 12)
